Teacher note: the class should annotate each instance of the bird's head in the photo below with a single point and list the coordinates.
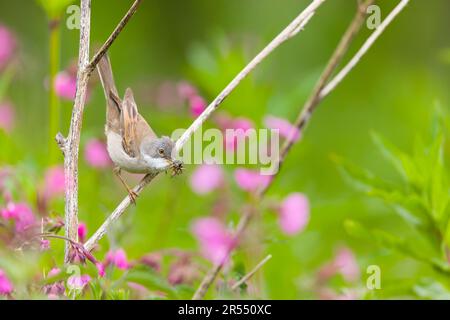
(159, 154)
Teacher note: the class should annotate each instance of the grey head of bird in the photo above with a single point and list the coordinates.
(157, 153)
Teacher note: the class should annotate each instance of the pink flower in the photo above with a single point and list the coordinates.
(7, 45)
(7, 116)
(287, 130)
(197, 105)
(236, 129)
(118, 258)
(53, 272)
(186, 90)
(101, 269)
(294, 213)
(45, 245)
(96, 154)
(65, 85)
(6, 286)
(215, 240)
(346, 264)
(21, 214)
(78, 282)
(82, 232)
(54, 182)
(206, 178)
(250, 180)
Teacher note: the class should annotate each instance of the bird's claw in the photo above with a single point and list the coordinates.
(133, 196)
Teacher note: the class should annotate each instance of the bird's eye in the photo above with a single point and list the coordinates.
(161, 151)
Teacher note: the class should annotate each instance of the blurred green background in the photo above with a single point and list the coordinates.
(393, 91)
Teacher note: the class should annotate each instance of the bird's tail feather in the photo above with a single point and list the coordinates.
(113, 106)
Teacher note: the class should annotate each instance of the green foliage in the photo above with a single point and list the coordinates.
(54, 8)
(421, 198)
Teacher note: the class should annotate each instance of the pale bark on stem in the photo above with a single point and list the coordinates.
(304, 116)
(291, 30)
(70, 145)
(251, 273)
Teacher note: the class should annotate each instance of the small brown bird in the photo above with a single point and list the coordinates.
(131, 142)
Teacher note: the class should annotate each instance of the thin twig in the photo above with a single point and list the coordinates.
(291, 30)
(101, 52)
(251, 273)
(365, 47)
(303, 118)
(70, 145)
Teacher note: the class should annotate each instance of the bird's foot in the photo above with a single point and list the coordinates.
(133, 196)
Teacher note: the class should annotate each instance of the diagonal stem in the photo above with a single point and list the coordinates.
(316, 97)
(291, 30)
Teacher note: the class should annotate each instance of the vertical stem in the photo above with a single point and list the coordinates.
(54, 102)
(73, 139)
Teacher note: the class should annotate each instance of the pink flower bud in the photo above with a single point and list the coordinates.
(207, 178)
(294, 213)
(6, 287)
(287, 130)
(82, 232)
(7, 46)
(65, 85)
(197, 105)
(250, 180)
(54, 182)
(117, 258)
(215, 240)
(96, 154)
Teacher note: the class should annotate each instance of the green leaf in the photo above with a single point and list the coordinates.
(151, 280)
(431, 289)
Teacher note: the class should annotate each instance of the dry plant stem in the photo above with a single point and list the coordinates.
(70, 145)
(365, 47)
(116, 214)
(291, 30)
(251, 273)
(304, 116)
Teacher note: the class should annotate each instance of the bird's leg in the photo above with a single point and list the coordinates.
(133, 195)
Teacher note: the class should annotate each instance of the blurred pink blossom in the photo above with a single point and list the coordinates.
(78, 282)
(53, 272)
(7, 116)
(186, 90)
(207, 178)
(197, 105)
(294, 213)
(45, 245)
(236, 129)
(65, 85)
(287, 130)
(21, 214)
(82, 232)
(117, 258)
(100, 269)
(6, 286)
(96, 154)
(346, 264)
(7, 45)
(250, 180)
(215, 240)
(54, 182)
(54, 290)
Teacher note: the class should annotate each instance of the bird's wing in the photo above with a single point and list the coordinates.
(134, 127)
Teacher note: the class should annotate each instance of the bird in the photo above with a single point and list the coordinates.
(131, 143)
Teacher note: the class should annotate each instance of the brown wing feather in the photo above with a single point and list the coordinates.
(134, 127)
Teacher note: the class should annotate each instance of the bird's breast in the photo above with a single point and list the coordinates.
(121, 158)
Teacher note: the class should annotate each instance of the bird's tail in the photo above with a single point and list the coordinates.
(113, 105)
